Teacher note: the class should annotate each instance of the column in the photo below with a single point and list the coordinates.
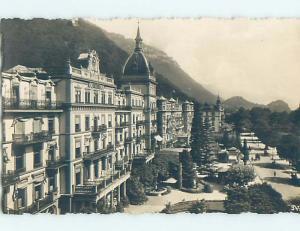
(124, 189)
(112, 198)
(91, 170)
(119, 193)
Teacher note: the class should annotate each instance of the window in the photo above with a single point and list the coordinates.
(133, 119)
(20, 163)
(38, 192)
(103, 119)
(51, 127)
(96, 96)
(77, 149)
(110, 98)
(51, 186)
(21, 197)
(77, 123)
(103, 98)
(96, 166)
(87, 123)
(87, 96)
(20, 127)
(37, 126)
(78, 178)
(51, 153)
(109, 121)
(96, 144)
(37, 160)
(77, 95)
(48, 95)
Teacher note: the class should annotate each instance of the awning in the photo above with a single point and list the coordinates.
(158, 138)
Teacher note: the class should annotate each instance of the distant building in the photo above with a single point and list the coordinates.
(215, 114)
(174, 121)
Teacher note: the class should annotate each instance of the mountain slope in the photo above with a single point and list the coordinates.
(167, 67)
(236, 102)
(49, 43)
(279, 106)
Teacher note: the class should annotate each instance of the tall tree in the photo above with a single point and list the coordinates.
(201, 139)
(188, 171)
(245, 152)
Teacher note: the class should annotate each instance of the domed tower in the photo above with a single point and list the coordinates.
(138, 74)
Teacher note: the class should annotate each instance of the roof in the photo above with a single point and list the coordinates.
(136, 64)
(24, 70)
(172, 100)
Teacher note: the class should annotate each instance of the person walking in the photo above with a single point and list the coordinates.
(274, 173)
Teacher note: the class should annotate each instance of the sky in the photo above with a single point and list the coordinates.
(257, 59)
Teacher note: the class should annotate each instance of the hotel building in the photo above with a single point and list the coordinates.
(69, 155)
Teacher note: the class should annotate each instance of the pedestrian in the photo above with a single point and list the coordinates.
(274, 173)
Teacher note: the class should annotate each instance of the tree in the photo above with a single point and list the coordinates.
(135, 191)
(240, 174)
(201, 139)
(245, 152)
(237, 201)
(289, 148)
(188, 171)
(259, 198)
(196, 139)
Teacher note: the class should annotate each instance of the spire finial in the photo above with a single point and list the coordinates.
(138, 39)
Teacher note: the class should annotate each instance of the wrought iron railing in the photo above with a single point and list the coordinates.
(98, 153)
(32, 137)
(13, 103)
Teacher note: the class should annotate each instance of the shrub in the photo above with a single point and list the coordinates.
(239, 174)
(208, 188)
(136, 191)
(199, 207)
(125, 201)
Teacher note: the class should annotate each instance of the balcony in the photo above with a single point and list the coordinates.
(139, 138)
(122, 125)
(99, 185)
(123, 108)
(31, 138)
(12, 176)
(57, 162)
(98, 153)
(27, 104)
(38, 206)
(99, 129)
(140, 123)
(128, 139)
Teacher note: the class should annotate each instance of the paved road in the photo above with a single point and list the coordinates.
(157, 203)
(280, 182)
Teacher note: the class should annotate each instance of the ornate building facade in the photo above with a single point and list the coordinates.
(70, 155)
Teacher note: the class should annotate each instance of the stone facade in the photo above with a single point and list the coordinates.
(67, 155)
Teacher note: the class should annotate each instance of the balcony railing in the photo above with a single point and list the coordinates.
(98, 185)
(140, 122)
(13, 103)
(37, 206)
(98, 153)
(99, 129)
(122, 124)
(123, 107)
(128, 139)
(56, 162)
(32, 137)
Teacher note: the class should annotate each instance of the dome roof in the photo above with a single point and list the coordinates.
(136, 64)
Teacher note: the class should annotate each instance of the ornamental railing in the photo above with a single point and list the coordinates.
(13, 103)
(32, 137)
